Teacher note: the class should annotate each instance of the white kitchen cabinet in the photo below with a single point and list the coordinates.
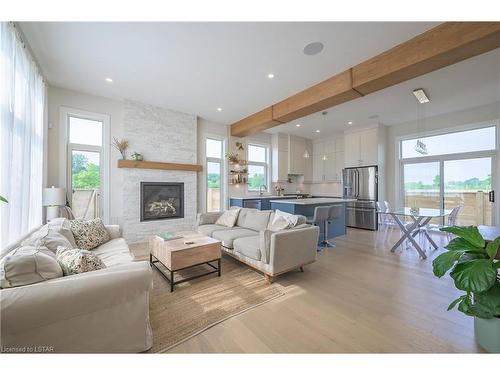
(308, 169)
(280, 157)
(296, 150)
(361, 147)
(326, 161)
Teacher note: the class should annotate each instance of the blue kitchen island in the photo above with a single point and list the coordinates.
(306, 207)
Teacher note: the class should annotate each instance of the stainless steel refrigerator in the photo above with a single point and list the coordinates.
(361, 184)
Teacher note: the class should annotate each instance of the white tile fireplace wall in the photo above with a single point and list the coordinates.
(159, 134)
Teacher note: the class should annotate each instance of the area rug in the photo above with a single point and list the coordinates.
(202, 303)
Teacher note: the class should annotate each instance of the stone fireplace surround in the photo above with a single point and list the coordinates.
(159, 134)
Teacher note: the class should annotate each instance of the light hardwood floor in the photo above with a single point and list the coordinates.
(357, 298)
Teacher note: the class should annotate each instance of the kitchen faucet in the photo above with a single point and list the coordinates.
(260, 189)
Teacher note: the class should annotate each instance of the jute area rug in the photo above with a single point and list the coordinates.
(199, 304)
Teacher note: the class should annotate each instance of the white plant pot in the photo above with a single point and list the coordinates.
(488, 334)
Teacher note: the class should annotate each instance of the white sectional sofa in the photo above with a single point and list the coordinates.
(99, 311)
(253, 242)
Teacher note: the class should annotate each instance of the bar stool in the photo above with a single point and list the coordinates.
(334, 214)
(320, 218)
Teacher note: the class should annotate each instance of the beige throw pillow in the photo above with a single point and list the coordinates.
(51, 236)
(89, 234)
(74, 261)
(28, 265)
(228, 218)
(283, 220)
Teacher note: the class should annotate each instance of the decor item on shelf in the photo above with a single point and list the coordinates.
(53, 198)
(474, 268)
(121, 146)
(232, 157)
(239, 146)
(136, 156)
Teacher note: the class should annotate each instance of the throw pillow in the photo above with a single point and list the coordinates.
(73, 261)
(283, 220)
(50, 236)
(89, 234)
(228, 218)
(28, 265)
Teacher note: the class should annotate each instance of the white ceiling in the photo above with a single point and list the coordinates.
(198, 67)
(467, 84)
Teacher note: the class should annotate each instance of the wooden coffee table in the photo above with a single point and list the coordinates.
(176, 255)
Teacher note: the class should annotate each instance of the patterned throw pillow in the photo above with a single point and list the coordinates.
(73, 261)
(89, 234)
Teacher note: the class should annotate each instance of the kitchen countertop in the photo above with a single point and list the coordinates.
(306, 201)
(265, 197)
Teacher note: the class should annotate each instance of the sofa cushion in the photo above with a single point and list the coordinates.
(75, 261)
(28, 265)
(257, 220)
(243, 215)
(89, 234)
(50, 236)
(208, 229)
(228, 217)
(114, 252)
(248, 246)
(228, 236)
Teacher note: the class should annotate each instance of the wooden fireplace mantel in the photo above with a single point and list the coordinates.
(159, 165)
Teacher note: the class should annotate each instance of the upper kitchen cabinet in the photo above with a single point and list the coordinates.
(328, 159)
(280, 157)
(364, 147)
(296, 152)
(292, 155)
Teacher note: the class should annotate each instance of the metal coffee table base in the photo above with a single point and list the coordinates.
(170, 277)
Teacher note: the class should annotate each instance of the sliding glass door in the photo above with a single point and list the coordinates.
(468, 183)
(450, 183)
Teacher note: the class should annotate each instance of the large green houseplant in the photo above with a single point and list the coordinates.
(474, 268)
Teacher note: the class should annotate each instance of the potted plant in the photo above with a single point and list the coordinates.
(121, 146)
(474, 269)
(2, 199)
(232, 157)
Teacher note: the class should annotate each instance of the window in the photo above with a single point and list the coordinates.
(86, 168)
(214, 167)
(482, 139)
(22, 96)
(258, 159)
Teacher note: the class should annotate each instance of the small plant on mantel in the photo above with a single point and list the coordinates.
(474, 269)
(121, 146)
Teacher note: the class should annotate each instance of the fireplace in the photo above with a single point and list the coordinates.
(162, 200)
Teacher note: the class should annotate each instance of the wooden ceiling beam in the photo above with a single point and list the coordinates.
(326, 94)
(254, 123)
(441, 46)
(444, 45)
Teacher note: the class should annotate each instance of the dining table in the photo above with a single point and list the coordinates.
(420, 218)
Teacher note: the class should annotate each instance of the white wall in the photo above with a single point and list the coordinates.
(442, 122)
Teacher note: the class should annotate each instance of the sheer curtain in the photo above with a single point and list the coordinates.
(22, 95)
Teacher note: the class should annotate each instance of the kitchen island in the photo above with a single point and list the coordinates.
(306, 207)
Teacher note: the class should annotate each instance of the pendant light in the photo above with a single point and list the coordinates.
(422, 100)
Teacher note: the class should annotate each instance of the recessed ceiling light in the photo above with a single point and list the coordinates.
(270, 76)
(313, 48)
(421, 96)
(298, 125)
(317, 131)
(349, 122)
(109, 80)
(219, 109)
